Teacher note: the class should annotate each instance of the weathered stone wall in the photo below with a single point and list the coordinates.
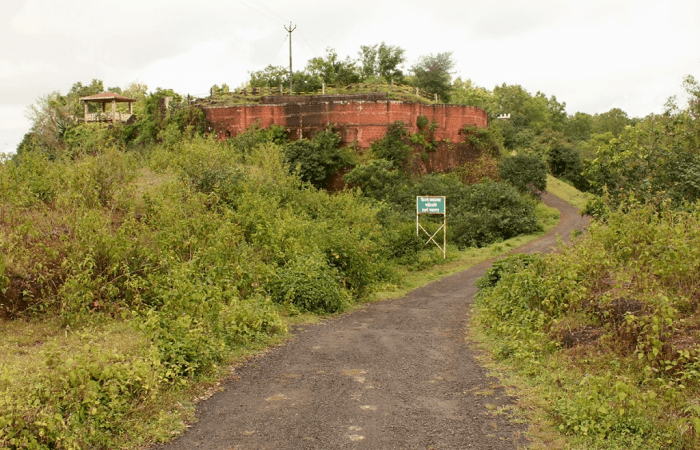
(360, 118)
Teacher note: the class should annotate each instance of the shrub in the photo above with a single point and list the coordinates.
(504, 266)
(473, 172)
(620, 306)
(486, 140)
(310, 284)
(392, 147)
(565, 162)
(488, 212)
(527, 173)
(319, 158)
(379, 179)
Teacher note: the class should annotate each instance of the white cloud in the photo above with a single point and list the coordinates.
(593, 55)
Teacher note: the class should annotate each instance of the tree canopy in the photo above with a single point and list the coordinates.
(433, 73)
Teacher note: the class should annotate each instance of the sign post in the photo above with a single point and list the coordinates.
(432, 205)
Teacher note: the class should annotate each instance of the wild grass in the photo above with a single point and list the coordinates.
(601, 338)
(567, 192)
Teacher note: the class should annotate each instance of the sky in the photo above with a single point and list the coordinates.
(593, 55)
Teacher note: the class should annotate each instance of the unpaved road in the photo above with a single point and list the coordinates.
(394, 375)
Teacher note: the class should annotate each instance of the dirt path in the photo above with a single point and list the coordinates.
(394, 375)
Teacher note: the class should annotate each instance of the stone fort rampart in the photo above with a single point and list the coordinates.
(361, 118)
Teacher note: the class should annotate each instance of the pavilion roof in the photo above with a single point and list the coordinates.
(106, 97)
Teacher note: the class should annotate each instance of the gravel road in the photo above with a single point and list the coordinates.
(396, 374)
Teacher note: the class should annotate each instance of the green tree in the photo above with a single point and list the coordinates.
(654, 160)
(381, 61)
(529, 115)
(613, 121)
(381, 180)
(332, 70)
(319, 158)
(393, 147)
(579, 126)
(270, 76)
(72, 98)
(154, 120)
(50, 117)
(527, 173)
(467, 93)
(433, 74)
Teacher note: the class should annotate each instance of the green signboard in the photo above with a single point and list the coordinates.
(430, 205)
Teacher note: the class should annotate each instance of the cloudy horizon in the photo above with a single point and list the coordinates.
(593, 55)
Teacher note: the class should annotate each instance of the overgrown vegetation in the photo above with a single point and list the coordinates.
(193, 245)
(608, 329)
(154, 252)
(656, 160)
(605, 333)
(480, 213)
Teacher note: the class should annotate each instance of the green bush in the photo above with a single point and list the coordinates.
(489, 212)
(381, 180)
(618, 306)
(527, 173)
(504, 266)
(80, 402)
(318, 159)
(392, 147)
(309, 284)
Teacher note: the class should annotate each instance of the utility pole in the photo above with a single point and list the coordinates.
(289, 30)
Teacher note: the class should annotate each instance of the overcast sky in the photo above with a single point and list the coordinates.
(592, 54)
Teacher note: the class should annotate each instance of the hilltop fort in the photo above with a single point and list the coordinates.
(359, 119)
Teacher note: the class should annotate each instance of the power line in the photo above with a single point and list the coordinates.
(278, 50)
(269, 9)
(313, 50)
(262, 13)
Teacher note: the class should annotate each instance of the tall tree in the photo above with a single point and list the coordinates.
(467, 93)
(613, 121)
(53, 114)
(270, 76)
(433, 74)
(579, 127)
(333, 70)
(382, 61)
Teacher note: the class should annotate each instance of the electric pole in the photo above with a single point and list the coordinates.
(289, 30)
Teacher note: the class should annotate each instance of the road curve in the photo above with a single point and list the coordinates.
(396, 374)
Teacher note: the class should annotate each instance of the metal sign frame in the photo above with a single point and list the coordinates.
(434, 205)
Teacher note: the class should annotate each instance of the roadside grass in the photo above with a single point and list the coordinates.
(599, 342)
(567, 192)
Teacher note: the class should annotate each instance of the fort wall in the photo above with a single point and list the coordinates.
(359, 119)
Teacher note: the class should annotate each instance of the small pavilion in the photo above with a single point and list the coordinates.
(104, 116)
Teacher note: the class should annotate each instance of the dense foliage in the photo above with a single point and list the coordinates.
(196, 246)
(191, 247)
(319, 158)
(480, 213)
(528, 174)
(656, 160)
(613, 321)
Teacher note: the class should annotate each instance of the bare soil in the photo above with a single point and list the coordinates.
(396, 374)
